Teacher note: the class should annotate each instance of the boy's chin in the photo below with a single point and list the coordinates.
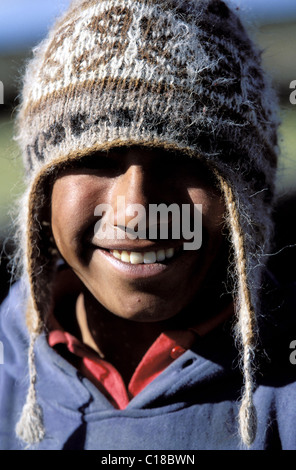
(138, 307)
(146, 315)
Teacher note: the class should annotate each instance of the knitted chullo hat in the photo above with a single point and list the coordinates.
(174, 74)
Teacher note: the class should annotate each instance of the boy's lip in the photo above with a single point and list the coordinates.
(140, 246)
(137, 271)
(141, 271)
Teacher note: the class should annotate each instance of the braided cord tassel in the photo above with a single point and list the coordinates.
(30, 426)
(246, 320)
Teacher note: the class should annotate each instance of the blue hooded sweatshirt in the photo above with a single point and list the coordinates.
(192, 405)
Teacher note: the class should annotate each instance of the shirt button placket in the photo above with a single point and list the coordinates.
(176, 352)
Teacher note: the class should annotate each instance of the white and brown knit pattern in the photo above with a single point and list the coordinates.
(177, 74)
(124, 69)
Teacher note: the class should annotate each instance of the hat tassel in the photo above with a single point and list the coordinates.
(30, 426)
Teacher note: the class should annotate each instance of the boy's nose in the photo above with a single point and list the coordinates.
(131, 188)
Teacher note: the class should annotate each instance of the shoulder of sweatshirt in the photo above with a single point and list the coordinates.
(14, 335)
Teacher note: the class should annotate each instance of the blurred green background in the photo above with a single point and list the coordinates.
(278, 40)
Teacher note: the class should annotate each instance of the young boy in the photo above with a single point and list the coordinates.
(138, 338)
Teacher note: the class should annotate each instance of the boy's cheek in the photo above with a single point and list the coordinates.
(70, 214)
(213, 208)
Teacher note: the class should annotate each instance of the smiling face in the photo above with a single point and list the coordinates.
(145, 280)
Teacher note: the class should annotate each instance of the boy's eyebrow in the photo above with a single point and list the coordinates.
(90, 158)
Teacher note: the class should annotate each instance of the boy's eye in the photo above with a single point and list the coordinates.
(179, 166)
(180, 163)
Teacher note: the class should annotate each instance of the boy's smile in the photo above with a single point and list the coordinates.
(137, 279)
(141, 264)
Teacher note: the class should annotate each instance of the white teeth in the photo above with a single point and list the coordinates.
(116, 254)
(160, 255)
(149, 257)
(169, 253)
(136, 258)
(125, 256)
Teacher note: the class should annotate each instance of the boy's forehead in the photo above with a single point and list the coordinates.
(157, 162)
(145, 152)
(169, 161)
(141, 154)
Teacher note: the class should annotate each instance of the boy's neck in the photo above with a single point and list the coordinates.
(124, 342)
(119, 341)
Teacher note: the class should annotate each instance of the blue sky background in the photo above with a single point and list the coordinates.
(24, 22)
